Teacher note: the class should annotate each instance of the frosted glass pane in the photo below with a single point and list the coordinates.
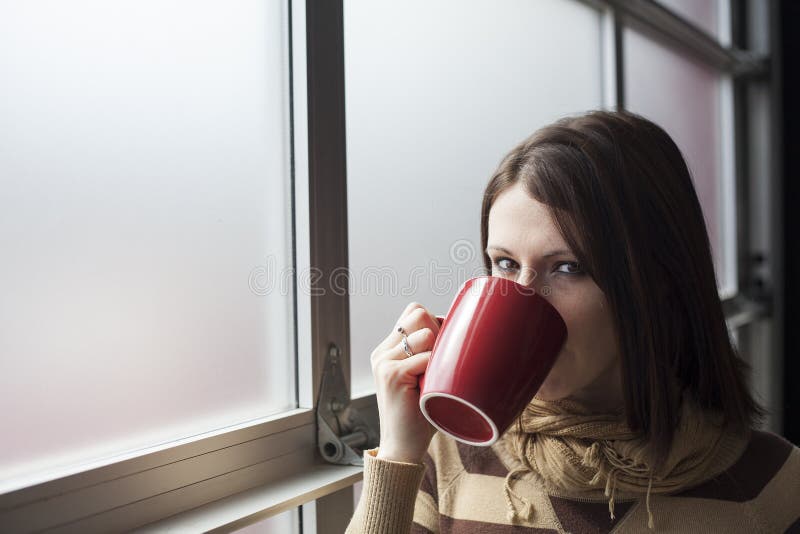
(436, 94)
(284, 523)
(702, 13)
(685, 98)
(143, 178)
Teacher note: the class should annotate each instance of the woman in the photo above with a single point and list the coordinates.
(645, 421)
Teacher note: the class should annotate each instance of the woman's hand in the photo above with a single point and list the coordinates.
(405, 433)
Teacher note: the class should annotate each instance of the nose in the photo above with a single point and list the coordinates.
(527, 277)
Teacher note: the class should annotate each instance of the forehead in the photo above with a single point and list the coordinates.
(517, 219)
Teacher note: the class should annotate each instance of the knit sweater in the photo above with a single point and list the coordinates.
(459, 489)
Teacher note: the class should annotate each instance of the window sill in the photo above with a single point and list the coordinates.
(256, 504)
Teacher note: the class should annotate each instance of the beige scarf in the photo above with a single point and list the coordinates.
(566, 447)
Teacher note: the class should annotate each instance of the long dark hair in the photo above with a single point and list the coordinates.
(621, 195)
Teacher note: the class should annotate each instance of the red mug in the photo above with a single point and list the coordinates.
(495, 347)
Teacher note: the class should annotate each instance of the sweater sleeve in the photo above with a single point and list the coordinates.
(387, 498)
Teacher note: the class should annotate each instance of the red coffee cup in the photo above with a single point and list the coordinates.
(496, 346)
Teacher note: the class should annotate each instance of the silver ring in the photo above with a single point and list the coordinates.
(406, 348)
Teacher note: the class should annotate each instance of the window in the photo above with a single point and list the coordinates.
(428, 120)
(693, 102)
(200, 202)
(145, 173)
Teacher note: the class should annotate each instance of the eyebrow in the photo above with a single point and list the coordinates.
(560, 252)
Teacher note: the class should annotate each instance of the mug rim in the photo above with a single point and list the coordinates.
(520, 288)
(495, 433)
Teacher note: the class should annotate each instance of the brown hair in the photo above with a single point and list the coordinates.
(621, 195)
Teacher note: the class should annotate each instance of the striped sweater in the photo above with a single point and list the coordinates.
(459, 489)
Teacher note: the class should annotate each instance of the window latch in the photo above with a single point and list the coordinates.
(342, 434)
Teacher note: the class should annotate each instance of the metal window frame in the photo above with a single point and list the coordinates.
(761, 182)
(653, 18)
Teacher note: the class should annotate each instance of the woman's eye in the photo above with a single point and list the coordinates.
(505, 264)
(569, 267)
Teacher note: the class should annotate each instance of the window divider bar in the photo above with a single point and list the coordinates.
(651, 16)
(619, 59)
(327, 185)
(330, 306)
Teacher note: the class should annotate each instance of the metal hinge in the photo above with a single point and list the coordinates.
(342, 434)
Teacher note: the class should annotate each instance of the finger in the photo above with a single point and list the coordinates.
(417, 364)
(420, 318)
(407, 322)
(435, 324)
(408, 309)
(396, 377)
(399, 372)
(421, 340)
(418, 342)
(414, 317)
(411, 323)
